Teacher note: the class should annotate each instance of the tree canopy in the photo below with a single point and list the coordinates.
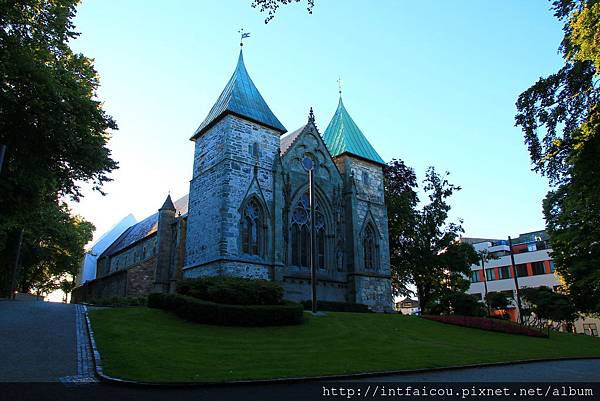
(271, 6)
(560, 119)
(424, 251)
(51, 122)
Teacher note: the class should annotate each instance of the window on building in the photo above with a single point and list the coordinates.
(552, 267)
(475, 276)
(538, 268)
(301, 234)
(590, 329)
(489, 274)
(371, 247)
(252, 229)
(503, 272)
(522, 270)
(365, 178)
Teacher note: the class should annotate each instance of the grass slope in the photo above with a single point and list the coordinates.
(153, 345)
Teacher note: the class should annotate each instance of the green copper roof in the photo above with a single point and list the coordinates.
(240, 97)
(342, 135)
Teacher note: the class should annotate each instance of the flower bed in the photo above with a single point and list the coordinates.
(501, 326)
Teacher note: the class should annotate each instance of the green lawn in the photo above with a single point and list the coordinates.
(153, 345)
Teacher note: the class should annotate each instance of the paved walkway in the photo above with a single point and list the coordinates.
(581, 370)
(43, 342)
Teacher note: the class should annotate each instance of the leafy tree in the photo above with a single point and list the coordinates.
(53, 250)
(498, 301)
(458, 303)
(560, 117)
(545, 305)
(271, 6)
(54, 127)
(424, 252)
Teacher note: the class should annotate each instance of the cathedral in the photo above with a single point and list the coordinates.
(247, 211)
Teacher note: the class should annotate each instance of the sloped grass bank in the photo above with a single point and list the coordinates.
(154, 346)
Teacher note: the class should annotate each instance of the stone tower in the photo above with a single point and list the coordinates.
(230, 225)
(366, 239)
(164, 246)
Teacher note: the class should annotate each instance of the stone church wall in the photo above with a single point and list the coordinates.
(233, 160)
(299, 290)
(140, 278)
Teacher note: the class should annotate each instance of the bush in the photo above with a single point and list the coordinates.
(501, 326)
(457, 303)
(118, 301)
(232, 290)
(331, 306)
(200, 311)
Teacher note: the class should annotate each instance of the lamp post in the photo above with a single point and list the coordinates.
(313, 240)
(515, 277)
(2, 153)
(312, 263)
(485, 289)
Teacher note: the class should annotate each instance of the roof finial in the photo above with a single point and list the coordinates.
(243, 35)
(339, 81)
(311, 116)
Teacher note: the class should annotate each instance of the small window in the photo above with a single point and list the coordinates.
(365, 178)
(370, 248)
(590, 329)
(475, 276)
(522, 270)
(253, 150)
(538, 268)
(552, 267)
(489, 275)
(503, 272)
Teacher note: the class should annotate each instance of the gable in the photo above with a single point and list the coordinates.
(307, 141)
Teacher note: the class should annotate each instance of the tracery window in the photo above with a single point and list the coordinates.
(301, 233)
(371, 248)
(252, 229)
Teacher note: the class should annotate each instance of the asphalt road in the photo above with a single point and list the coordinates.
(580, 370)
(37, 341)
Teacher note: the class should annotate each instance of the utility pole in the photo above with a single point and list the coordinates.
(313, 239)
(13, 278)
(515, 276)
(484, 283)
(2, 153)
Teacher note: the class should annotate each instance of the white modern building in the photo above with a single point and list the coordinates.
(87, 271)
(534, 268)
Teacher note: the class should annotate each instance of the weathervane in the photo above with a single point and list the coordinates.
(339, 81)
(243, 35)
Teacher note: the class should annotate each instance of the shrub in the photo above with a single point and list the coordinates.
(457, 303)
(232, 290)
(501, 326)
(200, 311)
(118, 301)
(332, 306)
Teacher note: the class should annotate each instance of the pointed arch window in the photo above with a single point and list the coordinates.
(370, 248)
(301, 234)
(253, 229)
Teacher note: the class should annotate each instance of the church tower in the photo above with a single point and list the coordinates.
(230, 228)
(366, 239)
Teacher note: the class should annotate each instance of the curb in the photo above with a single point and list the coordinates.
(134, 383)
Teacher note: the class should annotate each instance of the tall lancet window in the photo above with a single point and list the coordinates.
(301, 234)
(370, 248)
(252, 229)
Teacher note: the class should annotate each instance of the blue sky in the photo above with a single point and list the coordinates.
(430, 82)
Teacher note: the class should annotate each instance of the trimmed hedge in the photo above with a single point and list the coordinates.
(200, 311)
(119, 301)
(232, 290)
(332, 306)
(498, 325)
